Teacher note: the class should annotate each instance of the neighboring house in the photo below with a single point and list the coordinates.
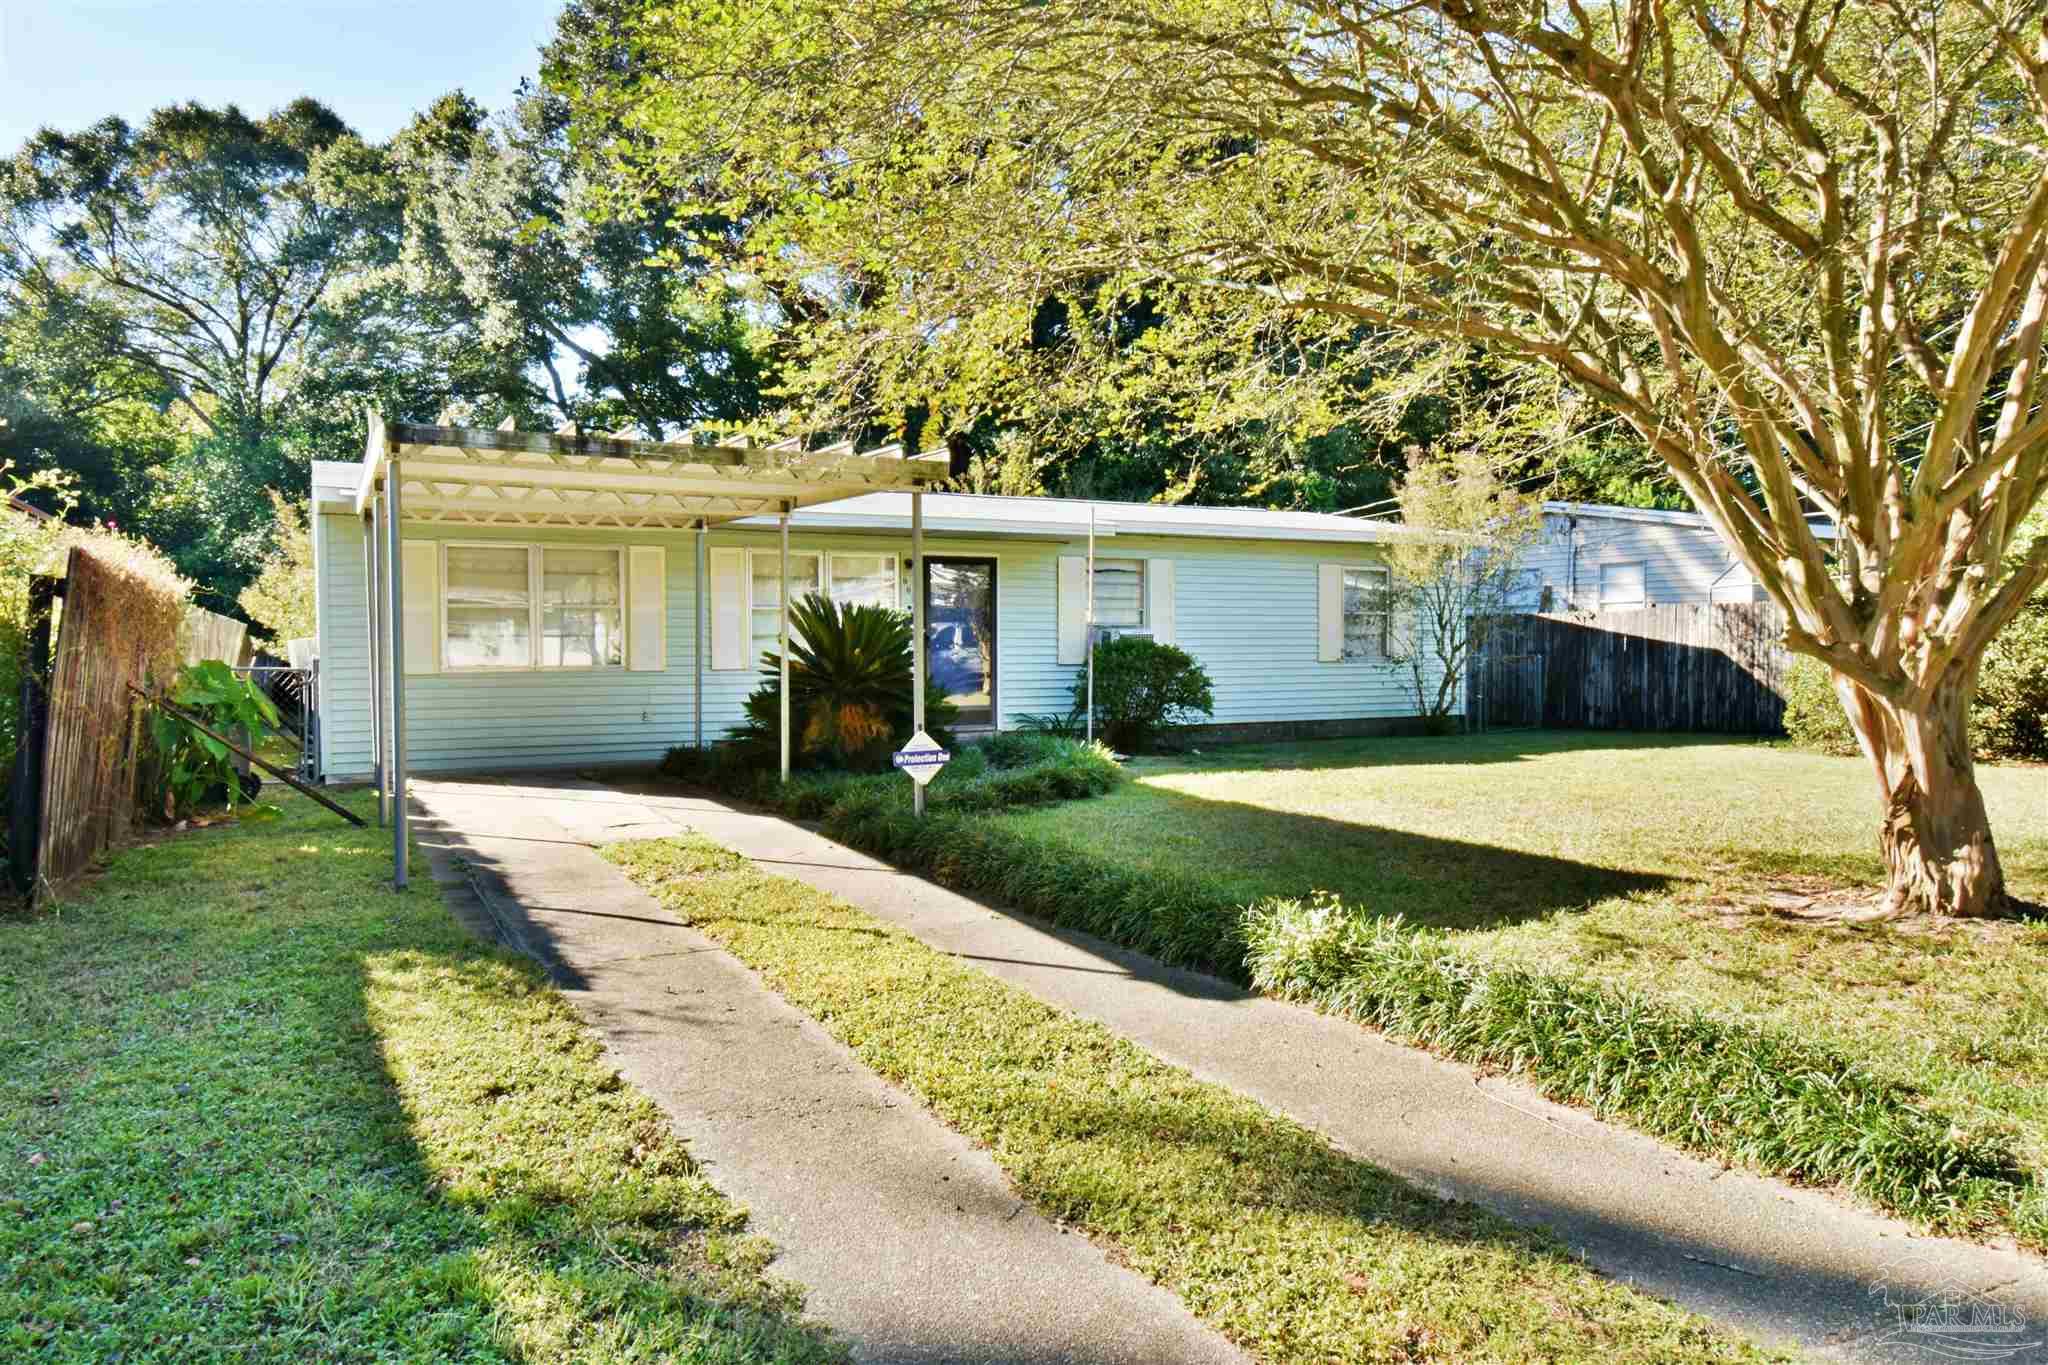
(1593, 557)
(564, 641)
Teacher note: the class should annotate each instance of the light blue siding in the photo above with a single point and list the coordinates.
(1245, 609)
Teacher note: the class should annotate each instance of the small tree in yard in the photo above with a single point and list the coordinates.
(281, 598)
(1800, 249)
(1449, 593)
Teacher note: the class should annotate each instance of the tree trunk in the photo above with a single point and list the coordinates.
(1936, 837)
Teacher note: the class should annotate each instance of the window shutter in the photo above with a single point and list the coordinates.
(1159, 599)
(728, 609)
(1329, 613)
(421, 586)
(1073, 609)
(647, 609)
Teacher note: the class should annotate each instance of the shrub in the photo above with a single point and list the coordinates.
(1142, 686)
(1813, 713)
(1710, 1084)
(849, 683)
(2010, 718)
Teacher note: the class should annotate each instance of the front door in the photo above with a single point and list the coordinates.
(960, 634)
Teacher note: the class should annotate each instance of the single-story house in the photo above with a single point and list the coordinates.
(1595, 557)
(571, 601)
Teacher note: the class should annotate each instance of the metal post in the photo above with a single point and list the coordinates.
(697, 644)
(395, 568)
(785, 642)
(373, 579)
(1088, 628)
(917, 636)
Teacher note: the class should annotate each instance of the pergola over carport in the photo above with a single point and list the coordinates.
(471, 476)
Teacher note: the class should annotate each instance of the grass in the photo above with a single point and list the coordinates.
(258, 1106)
(1292, 1249)
(1634, 864)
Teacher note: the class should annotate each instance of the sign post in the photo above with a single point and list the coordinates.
(922, 758)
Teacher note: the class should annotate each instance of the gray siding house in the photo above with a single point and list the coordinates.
(1594, 557)
(531, 641)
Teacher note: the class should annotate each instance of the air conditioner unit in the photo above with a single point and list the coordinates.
(1121, 632)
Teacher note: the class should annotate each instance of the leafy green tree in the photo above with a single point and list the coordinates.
(1800, 252)
(281, 598)
(195, 247)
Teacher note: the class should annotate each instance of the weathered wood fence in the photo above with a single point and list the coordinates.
(1713, 668)
(113, 631)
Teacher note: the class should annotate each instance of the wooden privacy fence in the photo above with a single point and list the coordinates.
(1714, 668)
(115, 630)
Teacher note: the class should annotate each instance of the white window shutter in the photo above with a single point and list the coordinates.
(647, 609)
(1330, 613)
(1073, 609)
(1159, 599)
(421, 585)
(728, 609)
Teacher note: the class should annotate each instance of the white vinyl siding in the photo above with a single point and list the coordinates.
(1680, 563)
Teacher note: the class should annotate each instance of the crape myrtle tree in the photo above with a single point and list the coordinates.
(1800, 249)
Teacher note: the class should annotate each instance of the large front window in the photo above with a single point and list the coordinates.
(499, 600)
(850, 580)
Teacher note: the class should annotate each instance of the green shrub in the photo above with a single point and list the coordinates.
(1141, 687)
(849, 686)
(1710, 1084)
(2010, 718)
(1813, 713)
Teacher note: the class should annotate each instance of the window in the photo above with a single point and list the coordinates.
(489, 607)
(850, 580)
(498, 600)
(1621, 585)
(581, 619)
(1120, 593)
(1368, 613)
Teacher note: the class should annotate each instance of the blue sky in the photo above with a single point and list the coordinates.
(68, 62)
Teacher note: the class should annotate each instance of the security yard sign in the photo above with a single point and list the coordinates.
(921, 758)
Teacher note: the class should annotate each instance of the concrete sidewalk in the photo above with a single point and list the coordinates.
(906, 1237)
(1785, 1265)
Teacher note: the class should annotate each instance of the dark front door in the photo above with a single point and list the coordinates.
(960, 634)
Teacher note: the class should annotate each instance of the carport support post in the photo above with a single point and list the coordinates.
(394, 571)
(697, 644)
(917, 641)
(784, 599)
(373, 547)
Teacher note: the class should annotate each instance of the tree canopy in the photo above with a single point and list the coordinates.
(1799, 251)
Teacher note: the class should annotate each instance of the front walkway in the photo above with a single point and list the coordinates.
(906, 1238)
(1782, 1264)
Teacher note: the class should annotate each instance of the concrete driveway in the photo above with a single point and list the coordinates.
(906, 1237)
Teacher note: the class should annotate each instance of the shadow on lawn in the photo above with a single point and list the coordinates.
(258, 1175)
(1403, 751)
(1427, 879)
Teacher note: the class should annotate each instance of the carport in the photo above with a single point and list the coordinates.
(472, 476)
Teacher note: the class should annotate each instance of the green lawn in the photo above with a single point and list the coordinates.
(1298, 1252)
(258, 1107)
(1640, 861)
